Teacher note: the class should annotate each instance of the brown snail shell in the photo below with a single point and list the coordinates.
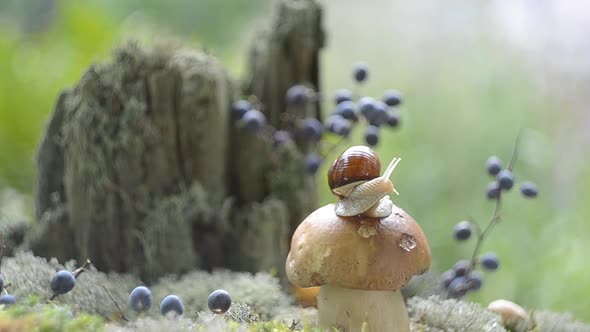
(355, 165)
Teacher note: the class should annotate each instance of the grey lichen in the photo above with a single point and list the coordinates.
(546, 321)
(241, 312)
(260, 291)
(31, 275)
(436, 314)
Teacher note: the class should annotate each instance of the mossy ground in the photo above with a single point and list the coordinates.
(259, 305)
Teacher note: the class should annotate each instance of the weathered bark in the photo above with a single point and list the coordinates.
(285, 54)
(142, 169)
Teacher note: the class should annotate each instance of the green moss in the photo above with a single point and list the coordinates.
(47, 318)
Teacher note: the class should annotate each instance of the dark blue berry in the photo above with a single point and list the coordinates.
(297, 95)
(367, 106)
(342, 95)
(346, 109)
(393, 118)
(493, 165)
(372, 135)
(240, 108)
(379, 116)
(312, 163)
(219, 301)
(171, 303)
(490, 261)
(331, 120)
(461, 267)
(360, 72)
(462, 230)
(7, 300)
(254, 121)
(280, 137)
(529, 189)
(312, 129)
(392, 97)
(63, 282)
(505, 179)
(447, 277)
(493, 190)
(458, 287)
(475, 280)
(140, 299)
(342, 127)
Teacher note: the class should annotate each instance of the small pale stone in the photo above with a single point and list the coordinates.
(508, 310)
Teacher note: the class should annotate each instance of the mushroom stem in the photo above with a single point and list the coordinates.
(351, 308)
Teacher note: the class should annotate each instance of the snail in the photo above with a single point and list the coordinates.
(355, 178)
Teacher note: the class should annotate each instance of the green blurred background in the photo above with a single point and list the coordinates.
(473, 75)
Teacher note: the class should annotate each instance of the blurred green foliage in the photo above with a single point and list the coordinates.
(467, 95)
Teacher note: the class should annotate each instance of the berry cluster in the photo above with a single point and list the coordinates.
(140, 300)
(463, 276)
(348, 112)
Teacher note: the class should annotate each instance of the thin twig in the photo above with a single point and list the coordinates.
(81, 269)
(515, 152)
(117, 305)
(494, 219)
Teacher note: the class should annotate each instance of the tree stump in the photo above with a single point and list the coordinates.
(142, 168)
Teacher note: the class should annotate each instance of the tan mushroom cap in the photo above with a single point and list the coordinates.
(357, 252)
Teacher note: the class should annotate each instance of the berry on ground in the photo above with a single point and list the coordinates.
(140, 299)
(392, 98)
(493, 165)
(360, 72)
(505, 179)
(7, 300)
(63, 282)
(171, 303)
(490, 261)
(219, 301)
(462, 230)
(529, 189)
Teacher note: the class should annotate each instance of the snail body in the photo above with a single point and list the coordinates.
(354, 178)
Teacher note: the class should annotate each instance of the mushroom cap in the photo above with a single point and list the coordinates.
(357, 252)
